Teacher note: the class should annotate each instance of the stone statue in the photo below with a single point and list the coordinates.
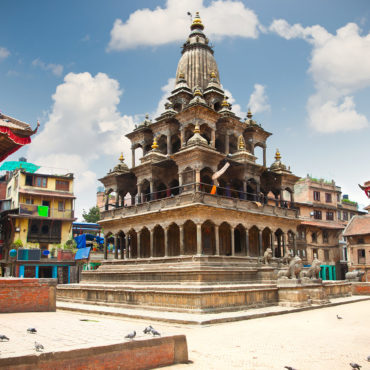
(355, 275)
(267, 256)
(293, 271)
(314, 271)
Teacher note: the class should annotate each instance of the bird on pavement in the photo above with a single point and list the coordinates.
(155, 332)
(355, 366)
(289, 368)
(148, 329)
(3, 337)
(131, 335)
(39, 347)
(31, 330)
(339, 318)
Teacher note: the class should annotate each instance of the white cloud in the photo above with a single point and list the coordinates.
(166, 93)
(258, 102)
(56, 69)
(236, 108)
(82, 127)
(339, 68)
(4, 53)
(147, 27)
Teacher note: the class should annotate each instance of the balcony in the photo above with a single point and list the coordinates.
(33, 210)
(198, 193)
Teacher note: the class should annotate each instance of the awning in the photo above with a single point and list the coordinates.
(82, 253)
(52, 194)
(13, 165)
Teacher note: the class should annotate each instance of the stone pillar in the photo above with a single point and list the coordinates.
(199, 239)
(227, 147)
(169, 148)
(295, 244)
(197, 178)
(128, 251)
(132, 157)
(123, 247)
(246, 243)
(213, 138)
(264, 156)
(245, 189)
(180, 182)
(217, 241)
(151, 186)
(105, 248)
(272, 244)
(117, 200)
(283, 242)
(116, 247)
(182, 137)
(166, 241)
(260, 242)
(139, 194)
(232, 242)
(182, 246)
(138, 244)
(152, 243)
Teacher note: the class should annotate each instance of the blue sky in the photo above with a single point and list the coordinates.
(89, 70)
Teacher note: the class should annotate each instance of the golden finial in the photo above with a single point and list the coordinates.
(154, 145)
(213, 74)
(249, 114)
(197, 129)
(224, 102)
(197, 92)
(241, 143)
(197, 22)
(121, 159)
(181, 75)
(277, 155)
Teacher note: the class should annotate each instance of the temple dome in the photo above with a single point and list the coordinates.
(197, 61)
(197, 138)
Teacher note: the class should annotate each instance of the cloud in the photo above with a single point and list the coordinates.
(160, 26)
(56, 69)
(4, 53)
(337, 72)
(258, 102)
(82, 128)
(236, 108)
(166, 93)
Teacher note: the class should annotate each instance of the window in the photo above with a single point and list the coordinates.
(361, 255)
(9, 191)
(29, 180)
(360, 241)
(29, 201)
(339, 215)
(330, 216)
(314, 238)
(317, 215)
(325, 236)
(316, 195)
(315, 253)
(345, 215)
(40, 182)
(61, 206)
(61, 185)
(327, 197)
(326, 255)
(338, 197)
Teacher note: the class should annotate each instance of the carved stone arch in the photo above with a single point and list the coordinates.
(173, 239)
(253, 236)
(225, 239)
(240, 240)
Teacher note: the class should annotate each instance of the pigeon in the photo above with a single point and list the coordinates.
(131, 335)
(148, 329)
(39, 347)
(339, 318)
(355, 366)
(3, 337)
(31, 330)
(155, 332)
(289, 368)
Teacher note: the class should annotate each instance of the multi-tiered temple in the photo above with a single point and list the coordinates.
(198, 209)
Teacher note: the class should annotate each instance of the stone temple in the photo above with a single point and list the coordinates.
(203, 210)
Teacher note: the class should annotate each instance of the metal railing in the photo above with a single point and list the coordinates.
(33, 211)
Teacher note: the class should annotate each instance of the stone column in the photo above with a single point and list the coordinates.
(217, 241)
(151, 243)
(139, 195)
(180, 182)
(283, 242)
(105, 248)
(264, 156)
(132, 157)
(169, 148)
(245, 189)
(138, 244)
(166, 241)
(117, 200)
(116, 247)
(182, 137)
(260, 242)
(246, 243)
(295, 244)
(232, 242)
(199, 239)
(182, 246)
(128, 251)
(272, 244)
(213, 138)
(123, 247)
(227, 147)
(151, 186)
(197, 178)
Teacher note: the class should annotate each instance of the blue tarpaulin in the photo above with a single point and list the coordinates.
(100, 240)
(82, 253)
(81, 241)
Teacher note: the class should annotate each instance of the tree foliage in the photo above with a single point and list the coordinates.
(93, 215)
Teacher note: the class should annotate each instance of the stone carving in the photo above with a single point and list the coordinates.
(293, 271)
(355, 275)
(314, 271)
(267, 256)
